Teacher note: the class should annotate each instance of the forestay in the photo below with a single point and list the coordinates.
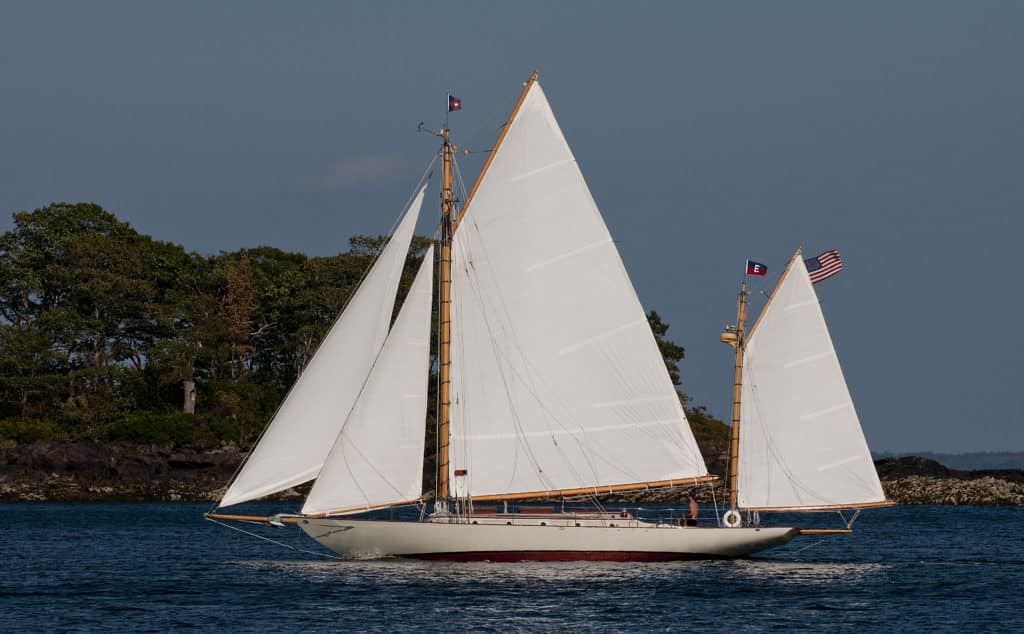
(557, 380)
(801, 443)
(293, 448)
(378, 456)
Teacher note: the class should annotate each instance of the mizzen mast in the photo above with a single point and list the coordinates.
(735, 336)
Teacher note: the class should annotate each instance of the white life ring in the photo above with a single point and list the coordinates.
(732, 519)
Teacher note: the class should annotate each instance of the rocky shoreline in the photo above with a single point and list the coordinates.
(91, 472)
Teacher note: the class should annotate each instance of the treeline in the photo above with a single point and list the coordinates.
(108, 334)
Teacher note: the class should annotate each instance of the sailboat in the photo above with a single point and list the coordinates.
(550, 387)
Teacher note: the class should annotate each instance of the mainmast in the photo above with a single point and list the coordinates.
(448, 217)
(449, 221)
(735, 336)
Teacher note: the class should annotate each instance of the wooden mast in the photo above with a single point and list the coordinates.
(445, 321)
(449, 221)
(736, 338)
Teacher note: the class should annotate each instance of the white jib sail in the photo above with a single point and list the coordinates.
(801, 443)
(377, 458)
(557, 381)
(297, 440)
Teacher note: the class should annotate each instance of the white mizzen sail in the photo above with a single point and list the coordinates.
(801, 443)
(557, 381)
(294, 446)
(378, 457)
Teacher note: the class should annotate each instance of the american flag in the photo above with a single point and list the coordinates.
(824, 266)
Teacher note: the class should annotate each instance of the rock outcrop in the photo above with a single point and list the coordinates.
(87, 471)
(84, 471)
(913, 480)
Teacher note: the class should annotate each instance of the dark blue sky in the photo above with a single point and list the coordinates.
(709, 133)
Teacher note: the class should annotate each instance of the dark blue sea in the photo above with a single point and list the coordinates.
(159, 567)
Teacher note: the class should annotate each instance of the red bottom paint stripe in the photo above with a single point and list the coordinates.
(560, 555)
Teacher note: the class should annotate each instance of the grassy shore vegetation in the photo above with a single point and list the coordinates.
(110, 335)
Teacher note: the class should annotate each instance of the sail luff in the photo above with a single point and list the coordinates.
(494, 148)
(299, 436)
(771, 296)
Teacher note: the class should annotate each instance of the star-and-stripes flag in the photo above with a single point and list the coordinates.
(824, 266)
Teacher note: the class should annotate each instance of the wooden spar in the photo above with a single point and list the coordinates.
(739, 342)
(250, 518)
(444, 317)
(737, 382)
(778, 284)
(361, 509)
(494, 149)
(597, 490)
(822, 507)
(824, 531)
(293, 519)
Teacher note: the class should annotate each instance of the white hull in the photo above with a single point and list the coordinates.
(495, 539)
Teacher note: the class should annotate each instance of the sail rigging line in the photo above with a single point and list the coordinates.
(473, 279)
(341, 442)
(273, 541)
(341, 439)
(771, 447)
(579, 436)
(420, 187)
(584, 441)
(771, 296)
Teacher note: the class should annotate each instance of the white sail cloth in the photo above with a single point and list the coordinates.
(293, 448)
(557, 380)
(801, 443)
(378, 456)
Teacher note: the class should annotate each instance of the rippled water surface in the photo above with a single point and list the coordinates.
(155, 567)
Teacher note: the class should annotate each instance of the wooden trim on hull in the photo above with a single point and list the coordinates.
(561, 555)
(598, 490)
(827, 507)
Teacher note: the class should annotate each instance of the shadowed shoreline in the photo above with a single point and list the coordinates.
(43, 470)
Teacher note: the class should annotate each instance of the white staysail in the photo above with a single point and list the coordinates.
(557, 381)
(294, 446)
(378, 456)
(801, 444)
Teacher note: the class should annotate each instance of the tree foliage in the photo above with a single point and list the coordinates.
(102, 328)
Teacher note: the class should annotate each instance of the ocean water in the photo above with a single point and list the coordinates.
(160, 567)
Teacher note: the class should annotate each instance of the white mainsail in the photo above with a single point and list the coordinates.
(557, 380)
(293, 448)
(801, 444)
(378, 457)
